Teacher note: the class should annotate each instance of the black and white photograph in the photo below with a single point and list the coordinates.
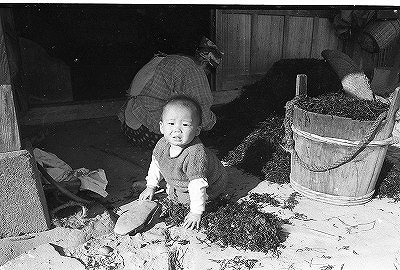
(199, 136)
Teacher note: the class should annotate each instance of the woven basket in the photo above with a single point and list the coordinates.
(340, 62)
(378, 35)
(357, 85)
(353, 79)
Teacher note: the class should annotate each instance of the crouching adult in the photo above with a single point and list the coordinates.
(165, 76)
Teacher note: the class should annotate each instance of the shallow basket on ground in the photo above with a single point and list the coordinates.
(322, 140)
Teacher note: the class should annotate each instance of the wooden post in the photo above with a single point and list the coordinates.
(301, 84)
(11, 41)
(23, 204)
(9, 132)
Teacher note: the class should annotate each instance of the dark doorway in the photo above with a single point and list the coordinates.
(103, 46)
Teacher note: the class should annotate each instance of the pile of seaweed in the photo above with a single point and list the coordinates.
(243, 225)
(261, 154)
(278, 86)
(173, 213)
(388, 184)
(269, 95)
(238, 224)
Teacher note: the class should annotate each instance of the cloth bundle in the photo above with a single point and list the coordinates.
(60, 171)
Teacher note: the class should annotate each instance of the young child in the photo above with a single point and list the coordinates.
(193, 173)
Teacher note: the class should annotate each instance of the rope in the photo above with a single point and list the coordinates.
(343, 142)
(288, 138)
(289, 141)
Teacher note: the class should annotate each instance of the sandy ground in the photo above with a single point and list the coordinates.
(320, 236)
(325, 237)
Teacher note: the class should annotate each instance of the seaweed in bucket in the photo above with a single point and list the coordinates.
(339, 104)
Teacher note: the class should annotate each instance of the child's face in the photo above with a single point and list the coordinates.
(179, 124)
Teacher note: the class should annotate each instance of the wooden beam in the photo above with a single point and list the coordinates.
(69, 112)
(14, 60)
(321, 13)
(4, 65)
(96, 109)
(9, 132)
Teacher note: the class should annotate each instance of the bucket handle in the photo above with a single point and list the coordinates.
(301, 89)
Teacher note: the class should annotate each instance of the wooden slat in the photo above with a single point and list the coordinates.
(70, 112)
(56, 113)
(324, 37)
(299, 37)
(9, 132)
(213, 37)
(234, 32)
(322, 13)
(266, 42)
(239, 44)
(14, 60)
(220, 33)
(4, 68)
(286, 31)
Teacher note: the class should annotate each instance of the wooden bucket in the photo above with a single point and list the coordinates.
(321, 140)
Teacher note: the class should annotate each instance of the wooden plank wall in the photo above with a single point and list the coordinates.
(265, 29)
(253, 40)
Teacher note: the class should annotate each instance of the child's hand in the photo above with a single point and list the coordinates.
(192, 221)
(147, 194)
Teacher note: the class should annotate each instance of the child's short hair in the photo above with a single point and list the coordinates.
(186, 101)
